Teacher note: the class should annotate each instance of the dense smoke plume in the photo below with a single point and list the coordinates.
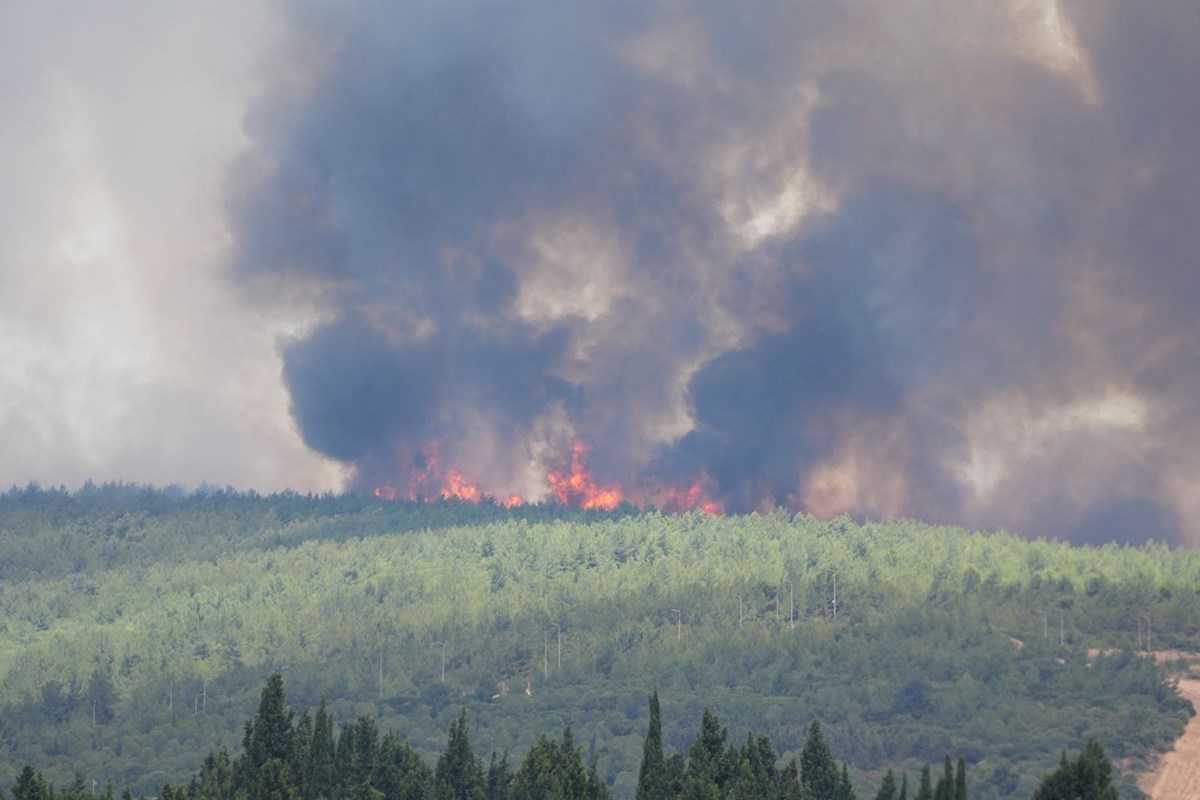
(932, 259)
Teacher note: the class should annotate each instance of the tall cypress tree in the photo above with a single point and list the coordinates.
(705, 773)
(402, 774)
(652, 777)
(302, 736)
(945, 784)
(676, 768)
(215, 781)
(274, 782)
(267, 736)
(704, 757)
(499, 777)
(887, 789)
(925, 789)
(30, 785)
(359, 780)
(903, 786)
(845, 788)
(759, 755)
(818, 771)
(458, 775)
(539, 776)
(343, 758)
(745, 785)
(318, 777)
(960, 780)
(271, 730)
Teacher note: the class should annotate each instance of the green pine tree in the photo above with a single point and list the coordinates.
(343, 757)
(458, 775)
(102, 696)
(318, 772)
(676, 768)
(1088, 778)
(945, 783)
(652, 777)
(745, 786)
(845, 788)
(269, 734)
(707, 752)
(498, 778)
(538, 776)
(274, 782)
(570, 766)
(887, 789)
(78, 789)
(705, 774)
(760, 756)
(302, 736)
(818, 771)
(925, 788)
(30, 785)
(401, 773)
(960, 780)
(360, 775)
(215, 781)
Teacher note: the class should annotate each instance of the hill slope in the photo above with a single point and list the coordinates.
(136, 628)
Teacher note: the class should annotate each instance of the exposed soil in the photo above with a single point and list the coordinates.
(1177, 775)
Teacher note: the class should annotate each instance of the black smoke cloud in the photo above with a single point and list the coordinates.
(936, 261)
(892, 282)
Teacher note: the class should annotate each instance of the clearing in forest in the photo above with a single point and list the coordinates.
(1177, 775)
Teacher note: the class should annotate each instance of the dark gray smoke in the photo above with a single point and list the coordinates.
(933, 261)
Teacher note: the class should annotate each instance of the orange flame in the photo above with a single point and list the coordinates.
(455, 487)
(427, 480)
(424, 474)
(578, 487)
(679, 499)
(574, 486)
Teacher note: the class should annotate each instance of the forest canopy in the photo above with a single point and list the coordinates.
(137, 625)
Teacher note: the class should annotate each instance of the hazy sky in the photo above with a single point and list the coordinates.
(932, 259)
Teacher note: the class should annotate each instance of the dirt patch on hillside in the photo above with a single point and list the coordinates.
(1177, 775)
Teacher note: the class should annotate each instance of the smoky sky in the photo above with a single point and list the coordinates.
(930, 259)
(125, 352)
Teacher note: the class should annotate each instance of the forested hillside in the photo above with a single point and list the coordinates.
(137, 627)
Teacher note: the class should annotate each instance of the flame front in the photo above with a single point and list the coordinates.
(578, 487)
(573, 486)
(679, 499)
(426, 480)
(457, 488)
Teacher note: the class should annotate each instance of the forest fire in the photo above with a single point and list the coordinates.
(456, 487)
(578, 487)
(574, 486)
(680, 499)
(426, 480)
